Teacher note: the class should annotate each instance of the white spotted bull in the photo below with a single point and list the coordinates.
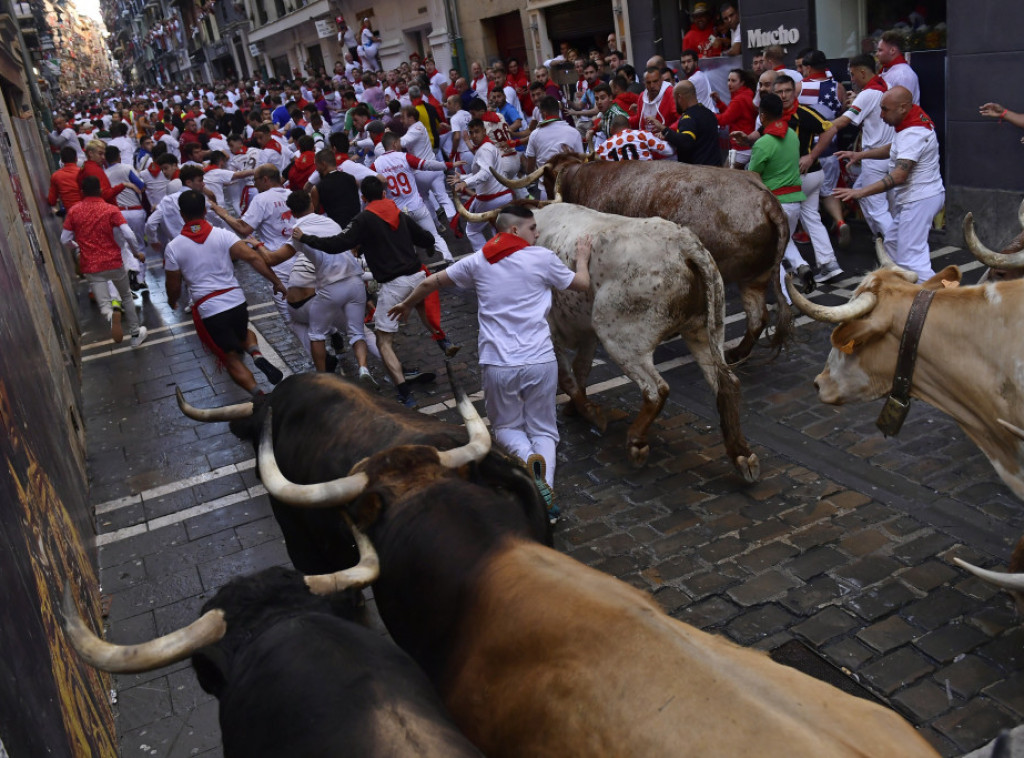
(651, 280)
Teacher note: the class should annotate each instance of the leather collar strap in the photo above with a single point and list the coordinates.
(897, 405)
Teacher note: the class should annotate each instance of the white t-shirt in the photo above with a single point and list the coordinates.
(217, 179)
(438, 84)
(865, 112)
(546, 141)
(122, 174)
(271, 219)
(700, 83)
(127, 147)
(514, 297)
(397, 170)
(156, 186)
(902, 75)
(355, 169)
(922, 146)
(71, 140)
(206, 268)
(330, 268)
(417, 141)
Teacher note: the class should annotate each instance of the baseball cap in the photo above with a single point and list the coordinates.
(700, 8)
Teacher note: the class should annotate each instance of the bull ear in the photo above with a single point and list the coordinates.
(846, 337)
(210, 664)
(367, 509)
(949, 274)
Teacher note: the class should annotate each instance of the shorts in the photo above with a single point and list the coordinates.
(228, 329)
(391, 294)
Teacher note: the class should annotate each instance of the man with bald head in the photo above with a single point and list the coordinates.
(765, 83)
(695, 136)
(913, 178)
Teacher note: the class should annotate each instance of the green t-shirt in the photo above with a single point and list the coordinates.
(777, 160)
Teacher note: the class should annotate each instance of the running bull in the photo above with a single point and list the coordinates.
(535, 654)
(293, 675)
(323, 426)
(651, 280)
(974, 375)
(732, 213)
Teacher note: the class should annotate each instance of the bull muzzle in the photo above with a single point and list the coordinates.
(224, 413)
(991, 258)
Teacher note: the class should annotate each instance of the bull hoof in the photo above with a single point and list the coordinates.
(570, 410)
(638, 452)
(749, 467)
(595, 415)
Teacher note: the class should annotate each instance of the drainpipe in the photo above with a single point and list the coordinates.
(451, 19)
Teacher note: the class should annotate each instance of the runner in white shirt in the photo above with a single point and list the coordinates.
(416, 141)
(202, 256)
(271, 150)
(173, 147)
(489, 193)
(65, 135)
(865, 112)
(499, 134)
(513, 279)
(895, 69)
(165, 222)
(396, 167)
(219, 179)
(459, 118)
(129, 200)
(270, 219)
(125, 144)
(243, 158)
(549, 138)
(157, 176)
(340, 301)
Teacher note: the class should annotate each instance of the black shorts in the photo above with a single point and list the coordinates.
(228, 328)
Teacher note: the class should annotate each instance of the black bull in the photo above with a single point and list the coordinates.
(323, 426)
(735, 217)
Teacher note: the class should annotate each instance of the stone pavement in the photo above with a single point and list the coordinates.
(842, 550)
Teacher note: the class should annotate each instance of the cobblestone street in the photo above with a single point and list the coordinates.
(838, 560)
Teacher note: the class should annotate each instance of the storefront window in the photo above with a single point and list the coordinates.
(848, 27)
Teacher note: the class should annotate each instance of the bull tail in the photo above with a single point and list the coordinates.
(783, 322)
(710, 280)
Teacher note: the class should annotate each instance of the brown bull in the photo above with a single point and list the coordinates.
(535, 654)
(732, 213)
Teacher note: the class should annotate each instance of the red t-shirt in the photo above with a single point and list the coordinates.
(93, 221)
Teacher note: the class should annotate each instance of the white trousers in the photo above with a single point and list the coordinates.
(792, 255)
(907, 245)
(338, 307)
(136, 221)
(422, 217)
(432, 189)
(520, 403)
(874, 207)
(810, 215)
(479, 232)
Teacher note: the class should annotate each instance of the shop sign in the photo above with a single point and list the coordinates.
(326, 28)
(254, 50)
(780, 36)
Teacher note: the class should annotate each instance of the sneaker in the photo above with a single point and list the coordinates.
(829, 273)
(537, 468)
(116, 332)
(448, 348)
(133, 281)
(367, 380)
(842, 235)
(272, 372)
(409, 401)
(805, 279)
(138, 339)
(802, 236)
(410, 373)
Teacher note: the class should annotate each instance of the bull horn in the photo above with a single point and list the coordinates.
(479, 438)
(859, 306)
(482, 218)
(999, 579)
(558, 188)
(320, 495)
(356, 577)
(883, 257)
(225, 413)
(990, 258)
(1015, 429)
(526, 181)
(146, 656)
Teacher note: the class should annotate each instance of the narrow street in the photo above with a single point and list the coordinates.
(837, 561)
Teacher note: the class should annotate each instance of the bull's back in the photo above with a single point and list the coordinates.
(735, 217)
(593, 667)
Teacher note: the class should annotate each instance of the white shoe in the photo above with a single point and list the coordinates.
(367, 378)
(138, 339)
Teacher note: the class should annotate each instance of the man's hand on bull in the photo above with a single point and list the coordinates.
(584, 246)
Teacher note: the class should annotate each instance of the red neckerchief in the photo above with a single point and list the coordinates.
(208, 169)
(916, 117)
(478, 79)
(197, 231)
(340, 158)
(579, 84)
(159, 135)
(780, 67)
(386, 210)
(895, 62)
(877, 83)
(275, 133)
(305, 159)
(777, 128)
(491, 117)
(153, 170)
(215, 135)
(272, 144)
(487, 140)
(501, 246)
(787, 115)
(242, 151)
